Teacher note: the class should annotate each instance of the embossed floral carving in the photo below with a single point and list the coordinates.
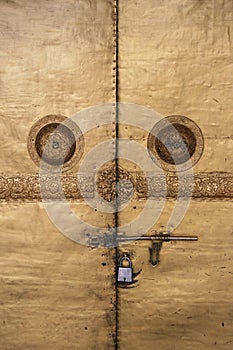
(28, 187)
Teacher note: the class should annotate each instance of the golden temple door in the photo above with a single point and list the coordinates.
(76, 59)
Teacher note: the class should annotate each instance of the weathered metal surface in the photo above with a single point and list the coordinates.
(56, 59)
(175, 57)
(55, 293)
(186, 301)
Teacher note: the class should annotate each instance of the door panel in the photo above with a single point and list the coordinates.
(57, 59)
(176, 59)
(185, 302)
(54, 293)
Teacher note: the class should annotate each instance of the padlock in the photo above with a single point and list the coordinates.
(125, 274)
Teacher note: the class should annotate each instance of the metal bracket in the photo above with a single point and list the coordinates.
(155, 253)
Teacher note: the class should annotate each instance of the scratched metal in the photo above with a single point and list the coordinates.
(176, 58)
(56, 58)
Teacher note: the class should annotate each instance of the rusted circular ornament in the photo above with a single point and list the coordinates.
(175, 143)
(57, 140)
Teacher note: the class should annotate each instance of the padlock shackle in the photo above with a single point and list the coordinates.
(126, 258)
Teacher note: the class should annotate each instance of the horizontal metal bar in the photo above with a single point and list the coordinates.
(157, 238)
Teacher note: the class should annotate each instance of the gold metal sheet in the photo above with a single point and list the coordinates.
(54, 293)
(56, 58)
(186, 301)
(175, 57)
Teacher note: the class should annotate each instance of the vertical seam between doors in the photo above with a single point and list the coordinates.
(116, 99)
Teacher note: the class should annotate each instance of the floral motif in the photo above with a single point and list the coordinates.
(28, 187)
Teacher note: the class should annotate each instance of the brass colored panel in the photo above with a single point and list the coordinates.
(175, 57)
(57, 58)
(55, 294)
(186, 301)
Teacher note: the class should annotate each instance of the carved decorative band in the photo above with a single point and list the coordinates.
(202, 185)
(28, 187)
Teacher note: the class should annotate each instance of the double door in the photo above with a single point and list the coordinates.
(76, 59)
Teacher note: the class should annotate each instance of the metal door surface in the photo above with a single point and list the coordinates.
(175, 57)
(74, 60)
(56, 59)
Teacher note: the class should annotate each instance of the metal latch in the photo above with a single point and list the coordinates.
(157, 242)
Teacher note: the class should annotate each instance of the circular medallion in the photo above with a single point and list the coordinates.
(57, 140)
(114, 183)
(175, 143)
